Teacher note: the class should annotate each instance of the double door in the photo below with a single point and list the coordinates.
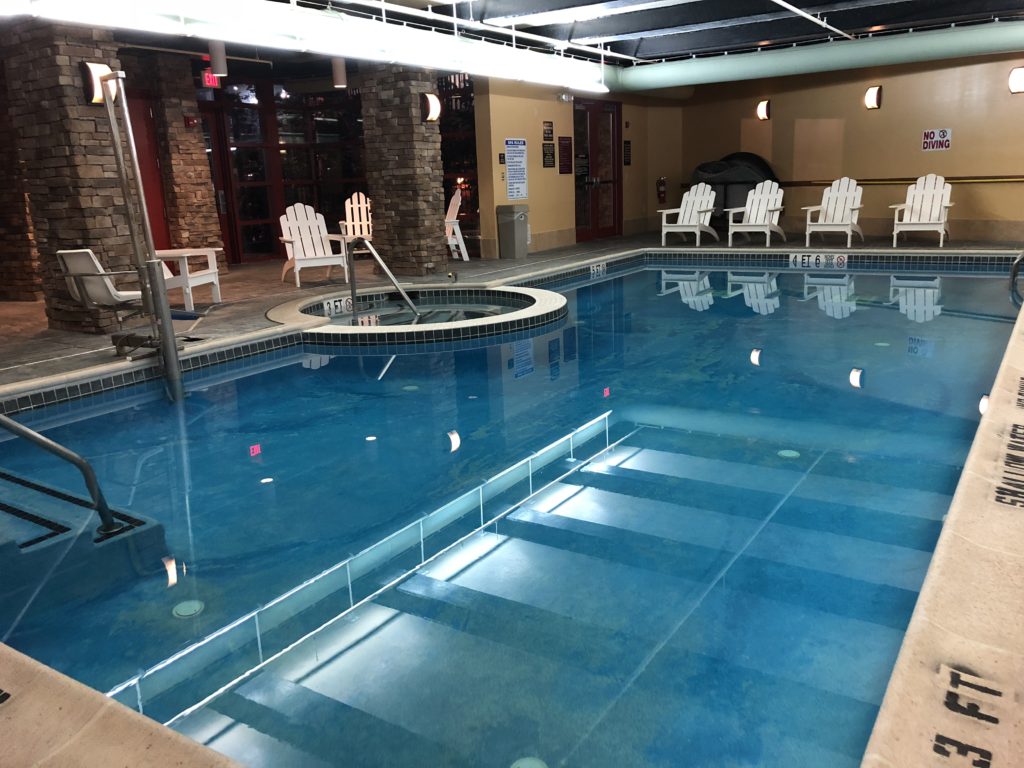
(597, 166)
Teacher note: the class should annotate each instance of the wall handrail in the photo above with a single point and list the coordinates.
(108, 525)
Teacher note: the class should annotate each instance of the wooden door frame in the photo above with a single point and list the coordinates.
(591, 106)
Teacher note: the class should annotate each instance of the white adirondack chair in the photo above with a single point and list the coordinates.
(452, 230)
(926, 209)
(692, 215)
(760, 290)
(835, 294)
(358, 221)
(760, 214)
(307, 243)
(918, 297)
(693, 287)
(188, 278)
(838, 212)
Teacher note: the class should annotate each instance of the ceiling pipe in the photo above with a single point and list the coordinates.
(896, 48)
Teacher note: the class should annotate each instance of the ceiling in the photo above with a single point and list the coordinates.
(659, 30)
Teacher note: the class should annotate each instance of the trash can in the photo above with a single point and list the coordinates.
(512, 231)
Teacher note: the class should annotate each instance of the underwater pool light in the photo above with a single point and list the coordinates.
(983, 405)
(755, 356)
(856, 376)
(371, 438)
(266, 480)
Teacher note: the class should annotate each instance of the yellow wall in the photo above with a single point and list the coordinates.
(819, 130)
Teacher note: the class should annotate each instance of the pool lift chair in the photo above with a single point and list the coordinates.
(835, 294)
(918, 297)
(760, 290)
(693, 287)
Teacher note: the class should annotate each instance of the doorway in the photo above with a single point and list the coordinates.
(597, 164)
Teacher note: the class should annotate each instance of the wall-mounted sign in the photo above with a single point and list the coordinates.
(548, 153)
(501, 158)
(515, 169)
(210, 80)
(627, 152)
(935, 139)
(565, 154)
(549, 131)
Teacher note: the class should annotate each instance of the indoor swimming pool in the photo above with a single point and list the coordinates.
(715, 570)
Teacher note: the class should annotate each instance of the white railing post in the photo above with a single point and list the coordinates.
(481, 489)
(423, 554)
(348, 574)
(259, 640)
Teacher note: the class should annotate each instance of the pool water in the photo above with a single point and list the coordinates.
(729, 585)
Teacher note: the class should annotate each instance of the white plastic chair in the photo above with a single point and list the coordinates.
(452, 230)
(760, 290)
(91, 285)
(188, 278)
(926, 209)
(838, 212)
(358, 221)
(918, 297)
(307, 243)
(835, 294)
(692, 215)
(760, 214)
(693, 287)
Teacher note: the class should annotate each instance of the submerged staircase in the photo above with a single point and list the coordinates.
(684, 598)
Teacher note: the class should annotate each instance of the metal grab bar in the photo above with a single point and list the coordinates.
(384, 267)
(1015, 296)
(108, 525)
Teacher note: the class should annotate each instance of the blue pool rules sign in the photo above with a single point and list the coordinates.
(515, 169)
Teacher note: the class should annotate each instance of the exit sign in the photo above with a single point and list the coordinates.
(210, 80)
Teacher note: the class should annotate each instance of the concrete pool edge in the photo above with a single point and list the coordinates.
(952, 691)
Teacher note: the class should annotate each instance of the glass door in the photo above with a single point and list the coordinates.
(598, 180)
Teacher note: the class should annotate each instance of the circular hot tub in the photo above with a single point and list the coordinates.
(447, 315)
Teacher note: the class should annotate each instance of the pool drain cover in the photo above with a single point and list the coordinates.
(188, 608)
(789, 453)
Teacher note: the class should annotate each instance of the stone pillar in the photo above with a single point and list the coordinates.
(67, 160)
(403, 168)
(189, 198)
(19, 257)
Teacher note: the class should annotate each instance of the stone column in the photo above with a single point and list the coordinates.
(19, 257)
(403, 168)
(72, 195)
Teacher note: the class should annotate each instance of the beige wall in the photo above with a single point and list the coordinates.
(820, 130)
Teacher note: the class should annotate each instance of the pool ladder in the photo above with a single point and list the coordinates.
(384, 268)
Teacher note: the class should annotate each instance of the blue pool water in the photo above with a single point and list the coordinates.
(727, 586)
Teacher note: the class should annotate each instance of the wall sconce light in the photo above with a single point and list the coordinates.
(218, 59)
(873, 97)
(430, 108)
(1016, 81)
(565, 98)
(338, 72)
(764, 110)
(91, 74)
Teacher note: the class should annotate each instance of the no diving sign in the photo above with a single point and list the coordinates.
(936, 138)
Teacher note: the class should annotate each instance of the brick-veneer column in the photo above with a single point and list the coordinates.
(72, 195)
(19, 258)
(403, 168)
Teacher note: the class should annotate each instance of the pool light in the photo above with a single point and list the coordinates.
(371, 438)
(983, 405)
(456, 441)
(266, 480)
(755, 356)
(856, 375)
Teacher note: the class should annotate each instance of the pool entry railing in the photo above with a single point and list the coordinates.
(384, 268)
(108, 526)
(200, 672)
(1015, 296)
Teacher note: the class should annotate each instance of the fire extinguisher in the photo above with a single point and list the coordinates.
(660, 186)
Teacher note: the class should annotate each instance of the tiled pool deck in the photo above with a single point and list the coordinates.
(956, 688)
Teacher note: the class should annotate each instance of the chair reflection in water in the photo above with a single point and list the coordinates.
(760, 290)
(693, 287)
(918, 297)
(835, 294)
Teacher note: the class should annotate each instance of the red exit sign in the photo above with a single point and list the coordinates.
(210, 80)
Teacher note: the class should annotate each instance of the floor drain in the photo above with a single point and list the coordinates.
(188, 608)
(881, 343)
(789, 453)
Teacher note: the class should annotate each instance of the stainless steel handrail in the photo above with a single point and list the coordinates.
(1015, 296)
(108, 525)
(384, 267)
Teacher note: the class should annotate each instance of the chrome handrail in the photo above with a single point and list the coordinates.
(1015, 296)
(108, 525)
(384, 268)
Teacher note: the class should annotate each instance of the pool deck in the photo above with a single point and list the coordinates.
(955, 695)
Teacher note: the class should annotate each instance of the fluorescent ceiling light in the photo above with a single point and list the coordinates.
(329, 33)
(582, 13)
